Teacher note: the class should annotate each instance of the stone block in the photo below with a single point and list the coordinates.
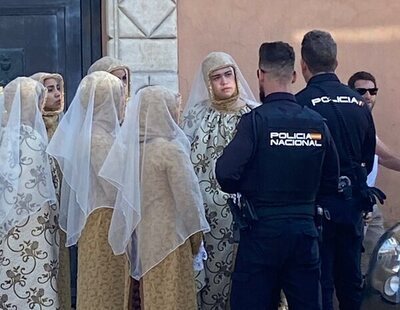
(149, 55)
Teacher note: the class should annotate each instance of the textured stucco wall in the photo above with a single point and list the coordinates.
(367, 33)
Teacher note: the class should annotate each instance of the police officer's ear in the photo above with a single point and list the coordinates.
(294, 77)
(260, 75)
(305, 71)
(336, 64)
(303, 65)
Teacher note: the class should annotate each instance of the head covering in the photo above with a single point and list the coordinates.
(110, 64)
(25, 176)
(160, 198)
(202, 97)
(51, 117)
(80, 145)
(41, 77)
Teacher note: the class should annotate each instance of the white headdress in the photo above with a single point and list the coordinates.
(201, 95)
(25, 177)
(81, 143)
(160, 203)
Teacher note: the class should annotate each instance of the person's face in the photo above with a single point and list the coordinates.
(223, 83)
(368, 88)
(53, 100)
(121, 74)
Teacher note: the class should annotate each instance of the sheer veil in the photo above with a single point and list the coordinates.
(159, 201)
(25, 177)
(81, 143)
(200, 94)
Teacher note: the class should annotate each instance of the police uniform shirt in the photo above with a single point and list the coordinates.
(324, 89)
(282, 162)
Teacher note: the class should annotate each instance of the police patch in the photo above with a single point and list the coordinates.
(337, 99)
(295, 139)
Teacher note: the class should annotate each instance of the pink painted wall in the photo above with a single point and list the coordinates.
(367, 33)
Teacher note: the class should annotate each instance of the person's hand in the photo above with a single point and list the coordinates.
(377, 194)
(370, 196)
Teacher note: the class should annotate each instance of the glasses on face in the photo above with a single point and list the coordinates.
(372, 91)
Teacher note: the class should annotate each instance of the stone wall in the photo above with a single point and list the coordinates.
(143, 34)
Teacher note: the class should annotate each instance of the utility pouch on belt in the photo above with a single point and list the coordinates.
(239, 221)
(344, 188)
(243, 214)
(249, 213)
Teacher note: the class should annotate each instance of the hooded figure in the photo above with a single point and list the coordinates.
(29, 231)
(80, 145)
(54, 104)
(160, 201)
(52, 110)
(115, 67)
(218, 98)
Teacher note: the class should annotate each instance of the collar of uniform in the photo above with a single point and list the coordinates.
(322, 77)
(279, 96)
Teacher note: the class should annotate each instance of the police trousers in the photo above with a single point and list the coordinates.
(340, 265)
(275, 255)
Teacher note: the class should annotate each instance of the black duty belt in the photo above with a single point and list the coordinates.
(303, 210)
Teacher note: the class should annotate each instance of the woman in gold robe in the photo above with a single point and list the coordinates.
(80, 145)
(52, 109)
(218, 98)
(29, 232)
(161, 196)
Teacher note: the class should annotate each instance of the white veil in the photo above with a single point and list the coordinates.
(110, 64)
(42, 77)
(81, 143)
(159, 191)
(25, 177)
(201, 96)
(122, 169)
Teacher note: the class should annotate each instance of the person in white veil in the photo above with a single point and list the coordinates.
(29, 239)
(218, 98)
(80, 145)
(54, 104)
(115, 67)
(52, 109)
(151, 159)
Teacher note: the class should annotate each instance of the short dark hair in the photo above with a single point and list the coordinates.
(361, 75)
(277, 58)
(319, 51)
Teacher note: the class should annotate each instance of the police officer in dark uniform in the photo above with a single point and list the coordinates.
(281, 155)
(352, 128)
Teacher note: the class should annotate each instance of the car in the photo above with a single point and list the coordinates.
(382, 290)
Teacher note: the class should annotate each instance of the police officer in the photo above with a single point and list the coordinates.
(352, 128)
(280, 156)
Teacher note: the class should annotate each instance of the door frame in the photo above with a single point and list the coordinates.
(91, 32)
